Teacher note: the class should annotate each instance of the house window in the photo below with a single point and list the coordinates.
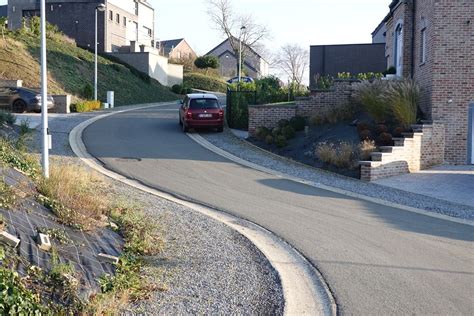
(136, 7)
(111, 15)
(398, 49)
(423, 46)
(124, 21)
(147, 31)
(117, 18)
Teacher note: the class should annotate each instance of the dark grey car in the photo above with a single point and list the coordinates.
(19, 100)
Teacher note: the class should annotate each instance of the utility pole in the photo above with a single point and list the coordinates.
(100, 7)
(44, 94)
(240, 53)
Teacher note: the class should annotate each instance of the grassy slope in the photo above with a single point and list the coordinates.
(70, 68)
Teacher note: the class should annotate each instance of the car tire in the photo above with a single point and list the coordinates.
(220, 129)
(185, 128)
(180, 122)
(19, 106)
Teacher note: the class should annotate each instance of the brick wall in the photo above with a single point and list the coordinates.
(321, 101)
(268, 115)
(419, 150)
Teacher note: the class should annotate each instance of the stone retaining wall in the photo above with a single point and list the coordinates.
(268, 115)
(415, 151)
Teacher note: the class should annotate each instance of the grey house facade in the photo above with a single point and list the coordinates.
(353, 58)
(254, 65)
(123, 23)
(3, 11)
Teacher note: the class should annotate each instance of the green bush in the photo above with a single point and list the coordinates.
(86, 106)
(7, 117)
(276, 131)
(238, 113)
(205, 62)
(298, 123)
(288, 132)
(203, 82)
(371, 96)
(403, 98)
(269, 139)
(283, 123)
(262, 132)
(87, 91)
(177, 88)
(281, 141)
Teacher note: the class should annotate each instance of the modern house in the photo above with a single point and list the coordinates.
(432, 41)
(254, 65)
(176, 49)
(354, 58)
(126, 30)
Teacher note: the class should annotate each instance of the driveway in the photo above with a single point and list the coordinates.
(450, 183)
(376, 259)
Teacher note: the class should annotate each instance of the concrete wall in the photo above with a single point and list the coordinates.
(420, 150)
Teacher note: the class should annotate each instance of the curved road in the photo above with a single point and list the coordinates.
(376, 259)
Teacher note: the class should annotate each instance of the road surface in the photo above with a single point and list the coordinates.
(377, 260)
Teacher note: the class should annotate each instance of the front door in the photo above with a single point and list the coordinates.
(470, 145)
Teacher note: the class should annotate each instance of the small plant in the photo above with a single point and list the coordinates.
(58, 268)
(341, 155)
(365, 134)
(269, 139)
(177, 88)
(7, 117)
(390, 71)
(403, 98)
(361, 126)
(385, 139)
(8, 196)
(317, 120)
(281, 141)
(381, 128)
(298, 123)
(206, 62)
(262, 132)
(371, 96)
(25, 127)
(3, 225)
(323, 82)
(15, 156)
(366, 147)
(283, 123)
(276, 131)
(87, 91)
(288, 132)
(56, 233)
(86, 106)
(397, 132)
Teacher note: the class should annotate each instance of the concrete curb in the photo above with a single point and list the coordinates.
(304, 289)
(206, 144)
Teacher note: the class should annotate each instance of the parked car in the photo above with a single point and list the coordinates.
(20, 100)
(243, 79)
(201, 111)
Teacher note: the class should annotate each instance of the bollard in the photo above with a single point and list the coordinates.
(110, 99)
(105, 105)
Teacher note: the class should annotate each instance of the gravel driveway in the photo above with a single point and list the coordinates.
(206, 267)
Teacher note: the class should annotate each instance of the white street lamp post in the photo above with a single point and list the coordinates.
(44, 94)
(100, 7)
(240, 53)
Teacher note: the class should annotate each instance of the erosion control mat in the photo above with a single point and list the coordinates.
(76, 247)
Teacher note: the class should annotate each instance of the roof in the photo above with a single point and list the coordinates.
(201, 96)
(391, 6)
(223, 42)
(233, 55)
(3, 10)
(169, 45)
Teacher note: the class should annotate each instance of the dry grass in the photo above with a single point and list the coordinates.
(366, 147)
(342, 155)
(76, 195)
(403, 97)
(371, 96)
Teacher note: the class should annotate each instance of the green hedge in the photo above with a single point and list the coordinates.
(203, 82)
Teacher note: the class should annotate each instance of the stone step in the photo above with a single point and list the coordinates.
(378, 156)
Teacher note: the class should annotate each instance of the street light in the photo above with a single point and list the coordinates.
(242, 29)
(100, 7)
(45, 140)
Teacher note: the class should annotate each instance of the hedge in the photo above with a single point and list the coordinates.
(203, 82)
(85, 106)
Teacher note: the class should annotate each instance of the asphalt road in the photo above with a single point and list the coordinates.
(377, 260)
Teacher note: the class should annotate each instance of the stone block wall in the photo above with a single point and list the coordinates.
(418, 150)
(321, 101)
(268, 115)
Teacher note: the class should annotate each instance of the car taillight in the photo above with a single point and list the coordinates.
(221, 113)
(189, 114)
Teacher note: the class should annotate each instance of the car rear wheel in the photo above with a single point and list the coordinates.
(184, 127)
(19, 106)
(220, 129)
(180, 122)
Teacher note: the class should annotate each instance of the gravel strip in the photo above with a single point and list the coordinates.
(242, 149)
(205, 268)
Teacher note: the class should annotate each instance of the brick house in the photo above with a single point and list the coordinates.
(254, 65)
(123, 23)
(177, 49)
(431, 41)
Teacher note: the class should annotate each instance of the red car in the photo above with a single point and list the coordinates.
(201, 111)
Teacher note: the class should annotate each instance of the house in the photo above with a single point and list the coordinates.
(354, 58)
(124, 30)
(253, 65)
(120, 24)
(378, 35)
(3, 11)
(432, 42)
(177, 49)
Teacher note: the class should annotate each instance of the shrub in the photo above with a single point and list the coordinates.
(87, 91)
(298, 123)
(342, 155)
(322, 82)
(381, 128)
(7, 117)
(276, 131)
(281, 141)
(8, 196)
(288, 132)
(317, 119)
(390, 71)
(366, 147)
(385, 139)
(403, 99)
(365, 134)
(269, 139)
(206, 62)
(282, 123)
(177, 88)
(262, 132)
(371, 96)
(203, 82)
(86, 106)
(397, 132)
(362, 126)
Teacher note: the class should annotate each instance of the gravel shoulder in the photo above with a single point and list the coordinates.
(205, 268)
(242, 149)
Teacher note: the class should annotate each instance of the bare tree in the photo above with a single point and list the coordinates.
(230, 24)
(293, 60)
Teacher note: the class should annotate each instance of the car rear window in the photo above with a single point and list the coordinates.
(204, 104)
